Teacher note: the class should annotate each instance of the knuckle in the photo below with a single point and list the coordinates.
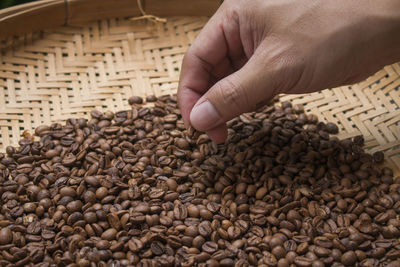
(232, 12)
(232, 8)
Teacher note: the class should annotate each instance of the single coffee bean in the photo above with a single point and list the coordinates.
(349, 258)
(209, 247)
(135, 244)
(261, 192)
(206, 214)
(151, 98)
(378, 157)
(283, 263)
(279, 252)
(302, 261)
(5, 236)
(135, 100)
(204, 228)
(180, 212)
(109, 234)
(157, 248)
(318, 263)
(277, 240)
(290, 256)
(332, 128)
(198, 242)
(193, 211)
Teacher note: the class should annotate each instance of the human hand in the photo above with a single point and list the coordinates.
(249, 51)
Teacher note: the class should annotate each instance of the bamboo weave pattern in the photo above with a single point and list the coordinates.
(68, 71)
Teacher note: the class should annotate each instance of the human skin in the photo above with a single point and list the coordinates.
(251, 50)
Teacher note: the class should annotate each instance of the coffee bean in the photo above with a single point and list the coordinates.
(205, 229)
(393, 263)
(269, 259)
(302, 261)
(226, 262)
(332, 128)
(209, 247)
(290, 256)
(41, 129)
(378, 157)
(206, 214)
(151, 98)
(323, 242)
(109, 234)
(279, 252)
(349, 258)
(261, 192)
(322, 252)
(157, 248)
(135, 100)
(114, 221)
(30, 207)
(103, 244)
(180, 212)
(318, 263)
(283, 263)
(5, 236)
(277, 240)
(302, 248)
(67, 191)
(92, 180)
(193, 211)
(135, 245)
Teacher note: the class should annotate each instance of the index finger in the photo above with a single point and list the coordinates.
(208, 49)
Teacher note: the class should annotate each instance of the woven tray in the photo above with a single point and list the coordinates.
(68, 71)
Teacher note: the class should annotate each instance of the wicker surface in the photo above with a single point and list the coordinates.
(69, 71)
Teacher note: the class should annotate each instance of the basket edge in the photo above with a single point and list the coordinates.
(45, 14)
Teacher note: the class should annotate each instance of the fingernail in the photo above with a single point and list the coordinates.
(204, 116)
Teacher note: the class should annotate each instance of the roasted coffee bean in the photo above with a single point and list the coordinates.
(349, 258)
(109, 234)
(150, 98)
(193, 211)
(331, 128)
(378, 157)
(205, 229)
(283, 263)
(180, 212)
(5, 236)
(302, 261)
(206, 214)
(279, 252)
(135, 100)
(209, 247)
(318, 263)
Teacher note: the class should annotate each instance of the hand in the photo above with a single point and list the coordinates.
(251, 50)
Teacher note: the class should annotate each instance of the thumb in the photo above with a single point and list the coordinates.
(243, 91)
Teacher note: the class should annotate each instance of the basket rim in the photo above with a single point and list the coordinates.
(44, 14)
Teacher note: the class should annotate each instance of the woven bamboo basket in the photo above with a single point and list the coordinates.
(63, 58)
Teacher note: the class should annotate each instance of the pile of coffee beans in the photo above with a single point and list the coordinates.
(136, 188)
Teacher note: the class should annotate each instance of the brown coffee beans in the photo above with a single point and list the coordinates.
(136, 188)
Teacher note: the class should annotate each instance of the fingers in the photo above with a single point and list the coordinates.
(206, 52)
(237, 93)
